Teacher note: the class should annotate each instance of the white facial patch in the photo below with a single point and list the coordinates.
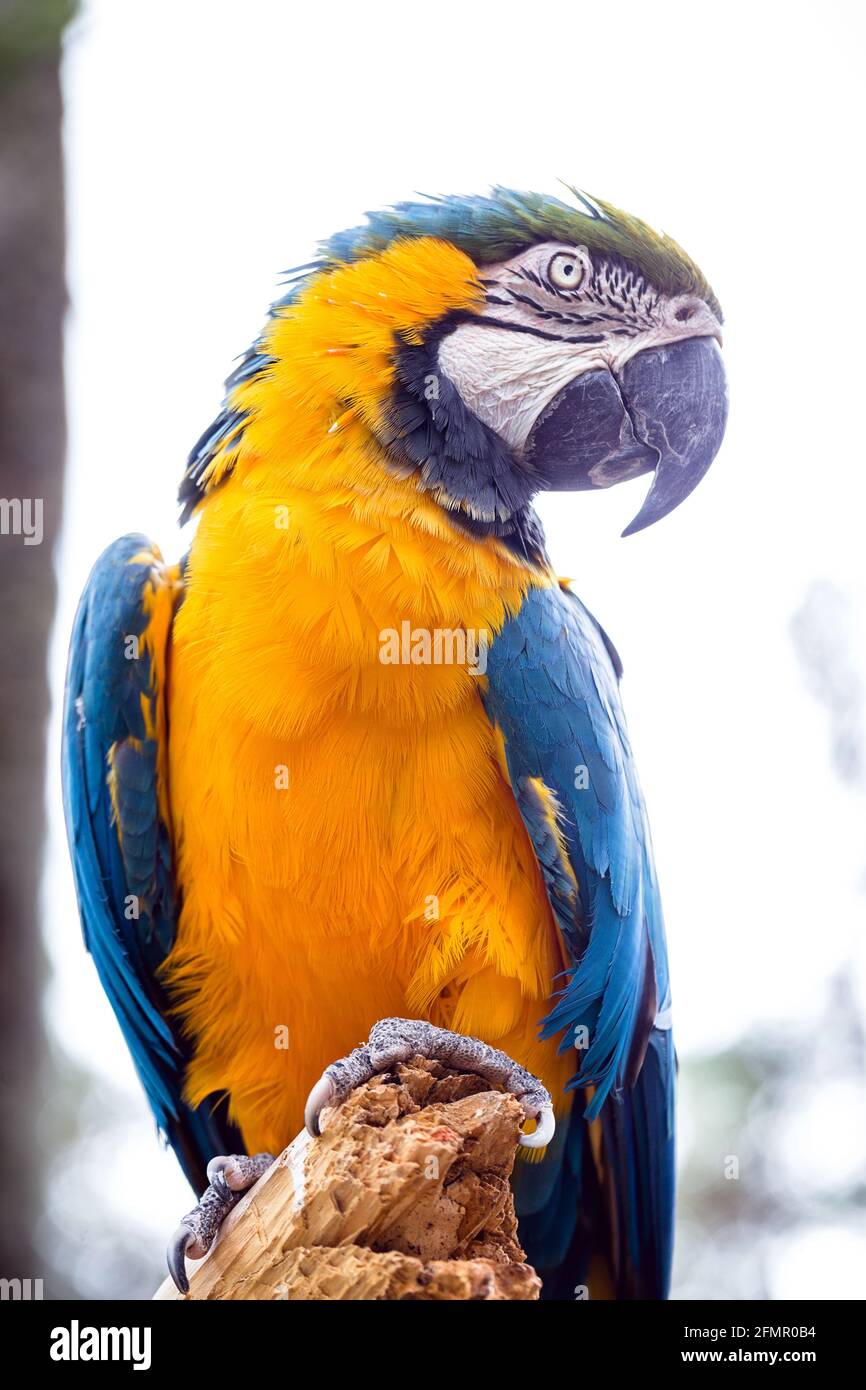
(507, 378)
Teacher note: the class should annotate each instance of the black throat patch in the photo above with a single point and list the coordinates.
(429, 432)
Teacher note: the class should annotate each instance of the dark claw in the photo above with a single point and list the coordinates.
(229, 1176)
(176, 1256)
(322, 1095)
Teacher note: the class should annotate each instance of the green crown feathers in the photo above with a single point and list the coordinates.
(498, 226)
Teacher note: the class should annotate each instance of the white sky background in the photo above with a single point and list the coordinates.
(209, 145)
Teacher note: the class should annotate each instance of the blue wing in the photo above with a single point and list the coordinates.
(553, 691)
(115, 798)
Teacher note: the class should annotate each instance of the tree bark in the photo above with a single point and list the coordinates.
(32, 447)
(406, 1195)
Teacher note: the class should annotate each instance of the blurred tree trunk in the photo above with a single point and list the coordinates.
(32, 448)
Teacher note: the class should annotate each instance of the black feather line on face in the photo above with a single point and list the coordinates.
(472, 473)
(505, 326)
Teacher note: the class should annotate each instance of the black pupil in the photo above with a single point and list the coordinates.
(568, 270)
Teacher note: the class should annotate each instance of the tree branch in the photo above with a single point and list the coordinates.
(405, 1196)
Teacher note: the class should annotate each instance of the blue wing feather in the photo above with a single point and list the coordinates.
(120, 846)
(552, 690)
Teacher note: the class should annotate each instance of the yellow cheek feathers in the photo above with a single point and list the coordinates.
(333, 354)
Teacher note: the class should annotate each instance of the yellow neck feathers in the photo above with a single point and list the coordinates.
(314, 549)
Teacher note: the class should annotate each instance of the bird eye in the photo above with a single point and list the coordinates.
(567, 271)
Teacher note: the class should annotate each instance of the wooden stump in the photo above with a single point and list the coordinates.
(404, 1196)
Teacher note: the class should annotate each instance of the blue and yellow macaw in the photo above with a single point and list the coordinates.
(358, 766)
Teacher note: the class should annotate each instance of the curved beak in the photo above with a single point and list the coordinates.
(678, 400)
(664, 413)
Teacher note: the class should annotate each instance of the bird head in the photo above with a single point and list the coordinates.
(491, 349)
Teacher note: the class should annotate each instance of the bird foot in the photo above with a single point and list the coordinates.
(229, 1176)
(395, 1040)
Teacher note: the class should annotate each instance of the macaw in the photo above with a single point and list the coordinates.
(357, 767)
